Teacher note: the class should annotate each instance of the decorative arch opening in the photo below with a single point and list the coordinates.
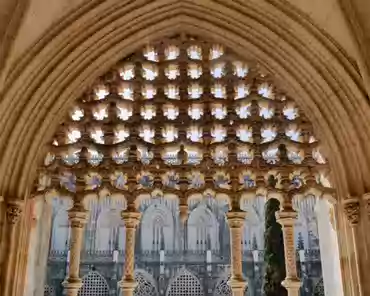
(184, 117)
(146, 285)
(94, 284)
(185, 284)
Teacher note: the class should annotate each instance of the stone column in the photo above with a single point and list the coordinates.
(14, 211)
(236, 221)
(77, 217)
(131, 218)
(287, 218)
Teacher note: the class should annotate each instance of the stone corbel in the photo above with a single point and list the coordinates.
(351, 207)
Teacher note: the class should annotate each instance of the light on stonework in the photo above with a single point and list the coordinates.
(73, 136)
(169, 133)
(218, 133)
(121, 133)
(195, 52)
(194, 70)
(148, 91)
(294, 133)
(126, 91)
(243, 110)
(244, 133)
(244, 155)
(124, 111)
(195, 155)
(151, 54)
(95, 157)
(171, 52)
(240, 69)
(266, 91)
(98, 136)
(170, 111)
(148, 112)
(218, 90)
(218, 70)
(241, 91)
(290, 112)
(172, 71)
(195, 111)
(195, 90)
(120, 156)
(55, 143)
(268, 134)
(100, 112)
(150, 71)
(71, 157)
(271, 155)
(312, 139)
(219, 111)
(220, 155)
(266, 112)
(101, 93)
(172, 91)
(127, 72)
(147, 133)
(194, 133)
(49, 159)
(318, 157)
(295, 156)
(216, 52)
(144, 155)
(77, 114)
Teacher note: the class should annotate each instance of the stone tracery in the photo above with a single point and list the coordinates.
(184, 116)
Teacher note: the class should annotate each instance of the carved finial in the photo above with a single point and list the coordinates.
(352, 210)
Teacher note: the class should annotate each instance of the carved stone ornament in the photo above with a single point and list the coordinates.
(352, 210)
(131, 219)
(366, 198)
(77, 217)
(236, 219)
(13, 212)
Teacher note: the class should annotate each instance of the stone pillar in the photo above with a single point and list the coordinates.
(236, 221)
(77, 217)
(329, 249)
(287, 218)
(14, 211)
(131, 218)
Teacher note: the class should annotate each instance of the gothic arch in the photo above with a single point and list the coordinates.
(94, 284)
(185, 284)
(146, 285)
(157, 226)
(203, 229)
(68, 58)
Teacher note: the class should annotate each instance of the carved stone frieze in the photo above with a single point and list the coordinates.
(351, 209)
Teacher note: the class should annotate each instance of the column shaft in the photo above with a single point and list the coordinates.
(236, 223)
(128, 283)
(287, 220)
(77, 217)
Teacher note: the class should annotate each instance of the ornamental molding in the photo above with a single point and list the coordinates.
(14, 211)
(351, 207)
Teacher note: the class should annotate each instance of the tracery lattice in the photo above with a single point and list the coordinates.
(49, 291)
(319, 288)
(187, 115)
(223, 289)
(144, 287)
(185, 284)
(94, 284)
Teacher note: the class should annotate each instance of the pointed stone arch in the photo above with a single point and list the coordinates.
(203, 229)
(157, 227)
(185, 284)
(94, 284)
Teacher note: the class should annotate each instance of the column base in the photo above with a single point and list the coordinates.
(292, 285)
(127, 287)
(237, 286)
(72, 286)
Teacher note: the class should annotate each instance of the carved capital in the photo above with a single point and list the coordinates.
(236, 219)
(77, 216)
(131, 219)
(14, 212)
(366, 198)
(286, 218)
(351, 208)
